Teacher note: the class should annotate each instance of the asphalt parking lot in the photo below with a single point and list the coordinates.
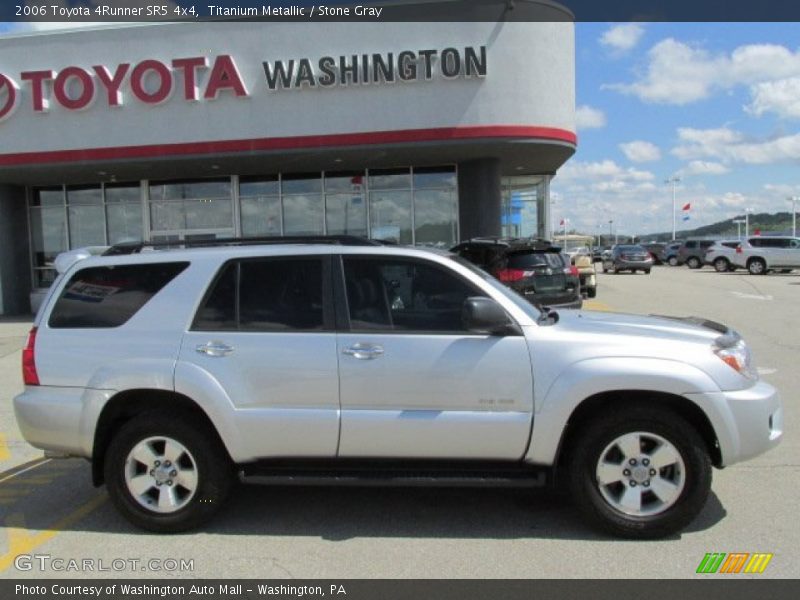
(48, 507)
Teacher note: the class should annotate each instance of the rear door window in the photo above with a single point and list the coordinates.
(102, 297)
(267, 294)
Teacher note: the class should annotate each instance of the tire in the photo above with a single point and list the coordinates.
(757, 266)
(673, 261)
(684, 480)
(203, 465)
(732, 268)
(722, 265)
(693, 262)
(605, 270)
(591, 292)
(633, 271)
(647, 271)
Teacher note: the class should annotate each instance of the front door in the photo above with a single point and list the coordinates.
(413, 382)
(265, 334)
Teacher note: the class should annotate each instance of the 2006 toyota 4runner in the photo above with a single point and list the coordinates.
(175, 371)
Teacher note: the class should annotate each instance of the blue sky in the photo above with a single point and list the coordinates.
(717, 104)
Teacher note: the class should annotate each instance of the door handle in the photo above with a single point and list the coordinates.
(214, 348)
(364, 351)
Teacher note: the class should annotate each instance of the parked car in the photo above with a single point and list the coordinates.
(670, 254)
(721, 255)
(656, 250)
(627, 257)
(536, 269)
(691, 253)
(175, 371)
(762, 254)
(597, 254)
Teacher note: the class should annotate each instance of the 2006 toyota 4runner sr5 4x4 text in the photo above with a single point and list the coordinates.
(178, 371)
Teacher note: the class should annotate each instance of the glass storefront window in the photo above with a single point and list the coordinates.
(302, 204)
(435, 217)
(390, 216)
(87, 226)
(261, 216)
(53, 196)
(260, 206)
(389, 179)
(520, 196)
(345, 203)
(183, 205)
(434, 177)
(48, 235)
(124, 212)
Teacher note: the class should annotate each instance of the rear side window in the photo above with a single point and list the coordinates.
(730, 244)
(284, 294)
(691, 244)
(102, 297)
(706, 244)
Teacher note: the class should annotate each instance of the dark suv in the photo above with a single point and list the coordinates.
(692, 253)
(536, 269)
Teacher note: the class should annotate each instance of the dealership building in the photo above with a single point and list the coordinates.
(418, 132)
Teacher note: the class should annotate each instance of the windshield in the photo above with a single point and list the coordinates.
(528, 308)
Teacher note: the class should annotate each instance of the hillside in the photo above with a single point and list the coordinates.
(768, 223)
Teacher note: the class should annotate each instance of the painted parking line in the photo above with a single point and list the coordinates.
(5, 453)
(20, 540)
(596, 305)
(23, 468)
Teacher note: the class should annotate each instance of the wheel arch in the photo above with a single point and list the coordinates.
(605, 402)
(125, 405)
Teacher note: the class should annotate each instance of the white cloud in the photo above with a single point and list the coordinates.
(588, 117)
(727, 145)
(640, 151)
(704, 167)
(781, 97)
(680, 73)
(601, 172)
(622, 38)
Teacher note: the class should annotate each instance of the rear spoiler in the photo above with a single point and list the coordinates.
(66, 259)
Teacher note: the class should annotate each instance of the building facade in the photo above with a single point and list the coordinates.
(419, 133)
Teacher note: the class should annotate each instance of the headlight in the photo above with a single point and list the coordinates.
(736, 355)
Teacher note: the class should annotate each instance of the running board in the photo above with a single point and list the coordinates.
(384, 473)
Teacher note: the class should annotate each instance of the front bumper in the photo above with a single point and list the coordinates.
(747, 422)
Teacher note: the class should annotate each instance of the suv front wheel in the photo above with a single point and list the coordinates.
(640, 474)
(166, 472)
(757, 266)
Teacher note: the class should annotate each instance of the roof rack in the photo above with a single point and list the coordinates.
(342, 240)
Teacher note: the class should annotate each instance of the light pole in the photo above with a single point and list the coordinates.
(610, 230)
(793, 200)
(747, 212)
(673, 180)
(739, 227)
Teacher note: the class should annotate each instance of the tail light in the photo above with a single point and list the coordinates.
(509, 275)
(571, 270)
(29, 375)
(738, 249)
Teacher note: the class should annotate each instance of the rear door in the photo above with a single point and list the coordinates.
(265, 334)
(413, 381)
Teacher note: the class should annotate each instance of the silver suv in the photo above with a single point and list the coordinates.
(178, 371)
(761, 254)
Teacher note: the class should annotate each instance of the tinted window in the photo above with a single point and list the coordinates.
(276, 295)
(218, 312)
(730, 244)
(706, 244)
(522, 260)
(265, 295)
(770, 243)
(110, 296)
(404, 295)
(691, 244)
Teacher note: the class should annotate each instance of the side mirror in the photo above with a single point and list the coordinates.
(484, 315)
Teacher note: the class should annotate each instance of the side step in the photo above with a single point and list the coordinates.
(394, 473)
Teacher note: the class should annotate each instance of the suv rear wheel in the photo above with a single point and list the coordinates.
(166, 472)
(640, 474)
(757, 266)
(673, 261)
(693, 262)
(722, 265)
